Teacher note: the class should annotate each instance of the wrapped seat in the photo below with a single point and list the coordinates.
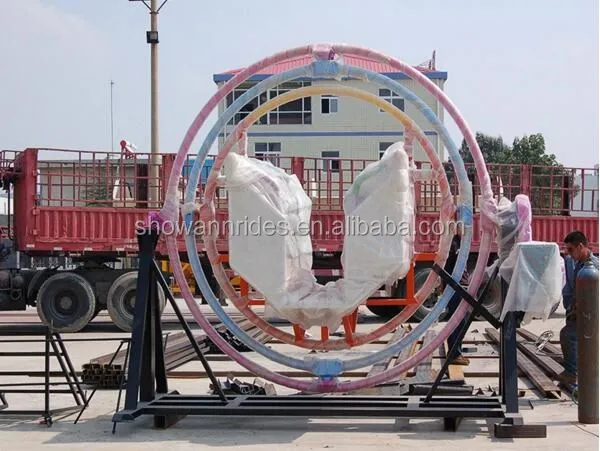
(275, 253)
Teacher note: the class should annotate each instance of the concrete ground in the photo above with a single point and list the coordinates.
(93, 432)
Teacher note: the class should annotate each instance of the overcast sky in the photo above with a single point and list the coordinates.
(514, 67)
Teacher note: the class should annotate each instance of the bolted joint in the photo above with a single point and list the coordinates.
(152, 37)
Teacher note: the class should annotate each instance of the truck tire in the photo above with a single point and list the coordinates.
(421, 275)
(121, 299)
(66, 302)
(493, 299)
(385, 311)
(389, 311)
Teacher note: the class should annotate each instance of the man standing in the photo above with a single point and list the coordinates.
(578, 254)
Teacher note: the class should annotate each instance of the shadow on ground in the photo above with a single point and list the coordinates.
(238, 431)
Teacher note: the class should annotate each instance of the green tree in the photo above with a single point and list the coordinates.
(514, 167)
(530, 150)
(493, 149)
(526, 150)
(98, 191)
(97, 195)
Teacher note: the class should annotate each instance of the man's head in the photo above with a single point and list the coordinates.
(577, 245)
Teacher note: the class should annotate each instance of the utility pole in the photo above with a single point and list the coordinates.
(112, 128)
(155, 160)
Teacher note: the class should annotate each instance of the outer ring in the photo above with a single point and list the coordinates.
(170, 209)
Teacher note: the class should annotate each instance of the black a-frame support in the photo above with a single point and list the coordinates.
(146, 372)
(512, 425)
(147, 389)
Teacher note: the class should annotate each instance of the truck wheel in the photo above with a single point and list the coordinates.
(385, 311)
(493, 299)
(120, 300)
(389, 311)
(421, 275)
(66, 302)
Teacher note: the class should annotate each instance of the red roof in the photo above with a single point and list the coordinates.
(363, 63)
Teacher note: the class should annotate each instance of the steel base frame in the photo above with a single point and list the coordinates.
(167, 408)
(147, 389)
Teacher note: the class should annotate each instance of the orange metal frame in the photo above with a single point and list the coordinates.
(349, 321)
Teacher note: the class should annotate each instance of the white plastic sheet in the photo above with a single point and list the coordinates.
(536, 274)
(513, 223)
(279, 264)
(267, 212)
(380, 203)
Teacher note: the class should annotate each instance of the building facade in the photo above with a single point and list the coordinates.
(326, 126)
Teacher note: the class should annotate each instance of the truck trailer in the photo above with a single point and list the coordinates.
(84, 207)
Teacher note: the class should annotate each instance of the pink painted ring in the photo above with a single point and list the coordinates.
(170, 211)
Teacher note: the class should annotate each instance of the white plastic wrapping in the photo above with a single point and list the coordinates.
(279, 264)
(536, 275)
(513, 224)
(267, 210)
(381, 201)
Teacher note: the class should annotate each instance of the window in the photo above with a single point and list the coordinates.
(294, 112)
(392, 97)
(233, 96)
(382, 148)
(329, 104)
(330, 161)
(268, 152)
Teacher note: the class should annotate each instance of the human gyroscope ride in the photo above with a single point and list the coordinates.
(279, 264)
